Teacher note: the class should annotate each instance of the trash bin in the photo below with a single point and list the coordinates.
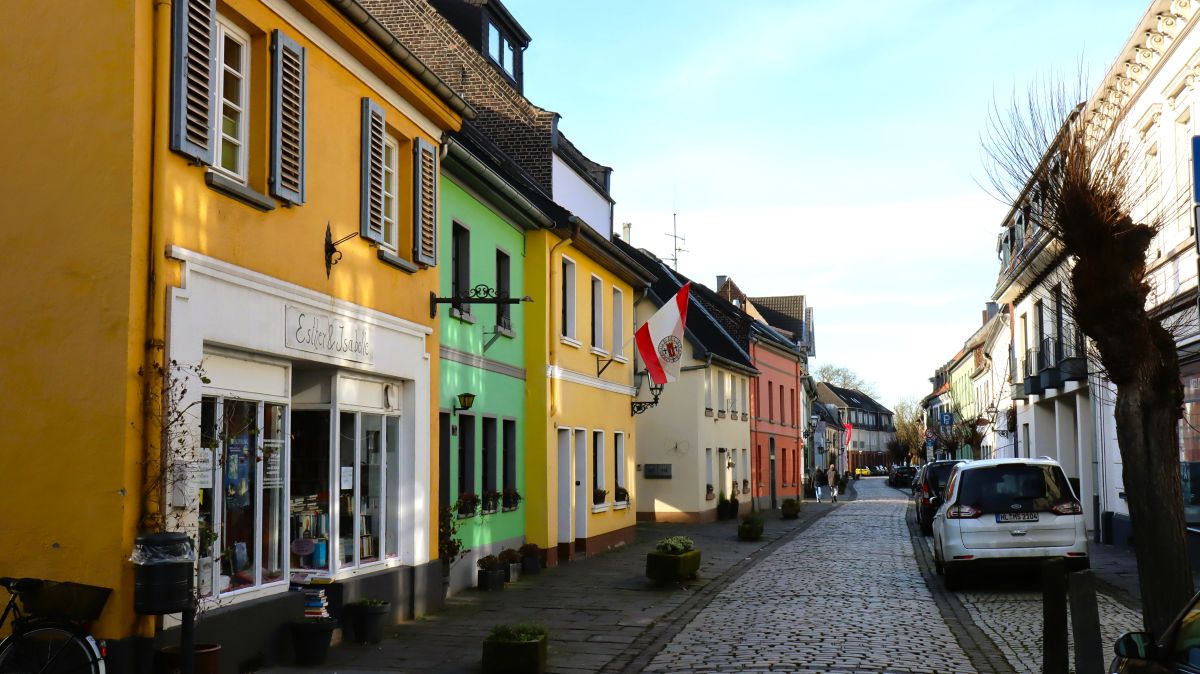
(163, 567)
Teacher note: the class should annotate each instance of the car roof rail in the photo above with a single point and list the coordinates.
(1048, 458)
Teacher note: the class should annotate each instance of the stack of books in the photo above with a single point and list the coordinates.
(316, 605)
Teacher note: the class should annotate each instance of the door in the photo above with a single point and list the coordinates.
(582, 494)
(565, 490)
(771, 449)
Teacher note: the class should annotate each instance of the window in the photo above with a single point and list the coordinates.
(491, 482)
(466, 454)
(391, 204)
(597, 461)
(733, 404)
(619, 464)
(510, 454)
(501, 50)
(233, 60)
(708, 389)
(722, 402)
(242, 506)
(745, 465)
(503, 289)
(708, 465)
(782, 412)
(460, 268)
(792, 393)
(770, 401)
(568, 298)
(597, 313)
(746, 395)
(618, 323)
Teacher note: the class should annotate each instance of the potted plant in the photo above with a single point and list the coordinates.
(751, 527)
(491, 573)
(468, 503)
(515, 649)
(511, 563)
(790, 508)
(621, 494)
(370, 617)
(310, 639)
(709, 494)
(598, 496)
(673, 559)
(531, 559)
(491, 500)
(511, 498)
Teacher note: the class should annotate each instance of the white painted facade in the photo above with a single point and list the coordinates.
(574, 193)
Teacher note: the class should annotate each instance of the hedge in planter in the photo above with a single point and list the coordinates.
(491, 573)
(510, 561)
(673, 559)
(751, 527)
(310, 640)
(531, 559)
(515, 649)
(790, 508)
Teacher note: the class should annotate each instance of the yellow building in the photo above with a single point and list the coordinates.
(184, 287)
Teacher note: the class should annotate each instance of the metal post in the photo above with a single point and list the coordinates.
(1054, 617)
(1085, 623)
(187, 641)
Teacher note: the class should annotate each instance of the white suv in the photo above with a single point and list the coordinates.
(1007, 510)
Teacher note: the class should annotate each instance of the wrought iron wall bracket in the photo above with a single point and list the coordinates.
(602, 363)
(332, 254)
(639, 406)
(480, 294)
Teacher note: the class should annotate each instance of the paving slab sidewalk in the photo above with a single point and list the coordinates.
(599, 611)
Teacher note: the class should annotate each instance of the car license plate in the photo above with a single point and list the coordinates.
(1016, 517)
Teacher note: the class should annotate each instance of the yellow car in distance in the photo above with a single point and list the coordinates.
(862, 471)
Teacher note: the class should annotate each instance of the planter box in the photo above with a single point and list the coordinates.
(310, 640)
(791, 513)
(531, 566)
(664, 568)
(369, 622)
(492, 581)
(512, 572)
(750, 531)
(514, 657)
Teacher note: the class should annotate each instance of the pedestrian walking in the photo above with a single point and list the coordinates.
(818, 480)
(833, 481)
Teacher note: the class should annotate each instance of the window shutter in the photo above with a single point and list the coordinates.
(287, 119)
(371, 220)
(425, 177)
(193, 90)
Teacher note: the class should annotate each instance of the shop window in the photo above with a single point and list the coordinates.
(241, 499)
(1189, 444)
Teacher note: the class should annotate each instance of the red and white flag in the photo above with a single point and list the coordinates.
(660, 339)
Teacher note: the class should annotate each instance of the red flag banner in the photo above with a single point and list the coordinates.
(660, 339)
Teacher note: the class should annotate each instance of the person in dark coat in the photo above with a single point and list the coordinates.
(818, 480)
(833, 481)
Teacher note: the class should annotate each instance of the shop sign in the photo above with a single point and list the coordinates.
(328, 335)
(657, 471)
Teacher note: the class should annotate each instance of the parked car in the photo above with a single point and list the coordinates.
(1006, 511)
(1177, 651)
(902, 476)
(862, 471)
(930, 482)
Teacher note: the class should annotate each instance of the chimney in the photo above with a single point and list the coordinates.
(720, 281)
(992, 309)
(625, 230)
(984, 314)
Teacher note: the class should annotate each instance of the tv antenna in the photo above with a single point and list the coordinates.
(676, 243)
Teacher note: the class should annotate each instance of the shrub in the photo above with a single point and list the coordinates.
(752, 518)
(675, 545)
(790, 503)
(488, 563)
(509, 556)
(517, 632)
(530, 550)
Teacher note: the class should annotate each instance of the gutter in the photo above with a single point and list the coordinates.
(385, 39)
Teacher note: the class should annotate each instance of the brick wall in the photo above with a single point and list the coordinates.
(519, 128)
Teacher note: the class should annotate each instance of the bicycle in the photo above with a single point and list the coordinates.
(49, 627)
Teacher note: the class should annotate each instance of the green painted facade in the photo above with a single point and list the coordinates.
(494, 372)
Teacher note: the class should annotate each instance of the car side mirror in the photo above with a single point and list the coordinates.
(935, 501)
(1137, 646)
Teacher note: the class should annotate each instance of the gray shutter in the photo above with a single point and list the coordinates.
(193, 87)
(425, 179)
(287, 119)
(371, 219)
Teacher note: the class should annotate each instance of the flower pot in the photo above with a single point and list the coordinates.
(310, 640)
(206, 659)
(750, 531)
(531, 566)
(369, 622)
(514, 657)
(664, 568)
(512, 572)
(790, 510)
(492, 580)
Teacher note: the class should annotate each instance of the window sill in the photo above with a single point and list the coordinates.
(708, 411)
(510, 509)
(464, 316)
(218, 182)
(466, 516)
(598, 352)
(721, 414)
(505, 332)
(710, 496)
(391, 259)
(494, 511)
(599, 507)
(620, 505)
(620, 359)
(570, 341)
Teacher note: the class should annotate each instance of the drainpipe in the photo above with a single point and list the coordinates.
(574, 221)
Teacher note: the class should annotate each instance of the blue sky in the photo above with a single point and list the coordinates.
(831, 149)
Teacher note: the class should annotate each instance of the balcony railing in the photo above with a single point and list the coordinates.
(1072, 362)
(1033, 380)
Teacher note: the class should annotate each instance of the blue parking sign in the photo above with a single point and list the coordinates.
(947, 419)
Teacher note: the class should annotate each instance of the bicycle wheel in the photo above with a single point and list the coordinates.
(47, 650)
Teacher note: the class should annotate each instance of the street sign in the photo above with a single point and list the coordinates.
(947, 419)
(929, 434)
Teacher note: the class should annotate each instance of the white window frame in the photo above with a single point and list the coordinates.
(227, 29)
(598, 315)
(619, 461)
(618, 327)
(568, 269)
(708, 388)
(601, 458)
(721, 400)
(708, 467)
(391, 196)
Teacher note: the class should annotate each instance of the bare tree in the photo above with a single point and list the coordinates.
(844, 377)
(910, 428)
(1085, 174)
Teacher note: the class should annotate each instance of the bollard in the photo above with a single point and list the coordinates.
(1055, 657)
(1085, 623)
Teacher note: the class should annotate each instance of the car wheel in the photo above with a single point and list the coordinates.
(953, 576)
(937, 561)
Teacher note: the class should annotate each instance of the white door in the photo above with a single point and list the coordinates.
(565, 491)
(583, 491)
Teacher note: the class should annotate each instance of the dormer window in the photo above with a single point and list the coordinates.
(500, 50)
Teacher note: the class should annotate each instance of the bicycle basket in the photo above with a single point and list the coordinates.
(70, 601)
